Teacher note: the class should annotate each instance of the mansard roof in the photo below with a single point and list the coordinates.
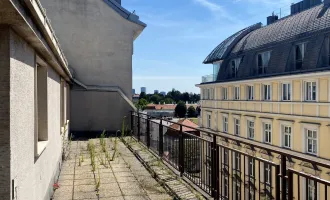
(311, 27)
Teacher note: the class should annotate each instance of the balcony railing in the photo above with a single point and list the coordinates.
(208, 78)
(210, 160)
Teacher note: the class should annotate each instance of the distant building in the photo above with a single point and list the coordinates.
(163, 93)
(136, 98)
(156, 91)
(133, 91)
(144, 89)
(163, 110)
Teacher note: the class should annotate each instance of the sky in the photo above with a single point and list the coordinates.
(181, 33)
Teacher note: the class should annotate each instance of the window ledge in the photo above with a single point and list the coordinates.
(41, 147)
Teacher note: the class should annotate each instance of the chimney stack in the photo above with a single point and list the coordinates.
(271, 19)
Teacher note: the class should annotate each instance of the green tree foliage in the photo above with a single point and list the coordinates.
(168, 100)
(180, 109)
(143, 95)
(141, 104)
(155, 99)
(191, 111)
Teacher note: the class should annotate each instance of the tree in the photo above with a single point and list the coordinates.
(168, 100)
(141, 104)
(191, 111)
(142, 95)
(185, 97)
(155, 98)
(180, 109)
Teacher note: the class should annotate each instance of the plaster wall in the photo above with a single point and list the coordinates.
(33, 174)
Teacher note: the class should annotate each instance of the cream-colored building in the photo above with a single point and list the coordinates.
(271, 89)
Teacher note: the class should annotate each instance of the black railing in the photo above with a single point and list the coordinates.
(229, 168)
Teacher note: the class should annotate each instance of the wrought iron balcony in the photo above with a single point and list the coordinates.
(209, 159)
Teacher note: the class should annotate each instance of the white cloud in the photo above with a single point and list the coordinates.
(209, 5)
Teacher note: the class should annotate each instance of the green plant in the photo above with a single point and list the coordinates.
(91, 148)
(102, 141)
(82, 157)
(98, 182)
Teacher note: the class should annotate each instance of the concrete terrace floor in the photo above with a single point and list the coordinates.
(123, 178)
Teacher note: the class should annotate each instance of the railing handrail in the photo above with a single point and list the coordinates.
(240, 141)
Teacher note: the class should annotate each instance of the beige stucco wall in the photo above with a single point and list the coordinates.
(96, 111)
(32, 176)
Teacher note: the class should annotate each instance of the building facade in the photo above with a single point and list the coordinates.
(34, 103)
(98, 38)
(143, 89)
(272, 90)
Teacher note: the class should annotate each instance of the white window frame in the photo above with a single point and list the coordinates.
(237, 62)
(309, 97)
(224, 93)
(248, 97)
(237, 126)
(209, 120)
(288, 92)
(311, 139)
(267, 130)
(268, 92)
(249, 127)
(225, 123)
(283, 125)
(236, 92)
(263, 56)
(303, 48)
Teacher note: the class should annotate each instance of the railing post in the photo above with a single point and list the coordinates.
(138, 126)
(132, 123)
(160, 140)
(181, 152)
(290, 184)
(148, 131)
(215, 168)
(283, 173)
(277, 183)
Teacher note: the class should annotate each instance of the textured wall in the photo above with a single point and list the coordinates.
(95, 111)
(96, 40)
(4, 115)
(33, 176)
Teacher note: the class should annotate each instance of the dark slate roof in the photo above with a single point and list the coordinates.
(295, 26)
(221, 51)
(124, 13)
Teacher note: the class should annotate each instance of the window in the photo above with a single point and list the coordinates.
(225, 124)
(250, 92)
(41, 109)
(208, 120)
(266, 91)
(311, 187)
(237, 161)
(224, 93)
(250, 127)
(286, 135)
(268, 173)
(267, 128)
(251, 167)
(310, 91)
(237, 126)
(234, 64)
(286, 91)
(226, 186)
(311, 139)
(263, 60)
(236, 93)
(299, 55)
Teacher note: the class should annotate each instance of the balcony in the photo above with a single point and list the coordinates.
(208, 78)
(206, 160)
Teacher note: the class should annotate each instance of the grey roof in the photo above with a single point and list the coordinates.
(295, 26)
(222, 50)
(124, 13)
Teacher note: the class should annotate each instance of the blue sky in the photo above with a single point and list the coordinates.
(181, 33)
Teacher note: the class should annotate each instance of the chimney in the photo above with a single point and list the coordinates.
(304, 5)
(118, 1)
(271, 19)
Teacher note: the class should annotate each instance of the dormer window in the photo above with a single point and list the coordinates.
(234, 66)
(262, 61)
(299, 54)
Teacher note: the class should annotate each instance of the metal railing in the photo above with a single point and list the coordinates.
(226, 168)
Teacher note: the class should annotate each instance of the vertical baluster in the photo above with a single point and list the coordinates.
(277, 183)
(160, 140)
(283, 172)
(290, 184)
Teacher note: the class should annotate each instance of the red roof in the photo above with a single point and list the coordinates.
(186, 122)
